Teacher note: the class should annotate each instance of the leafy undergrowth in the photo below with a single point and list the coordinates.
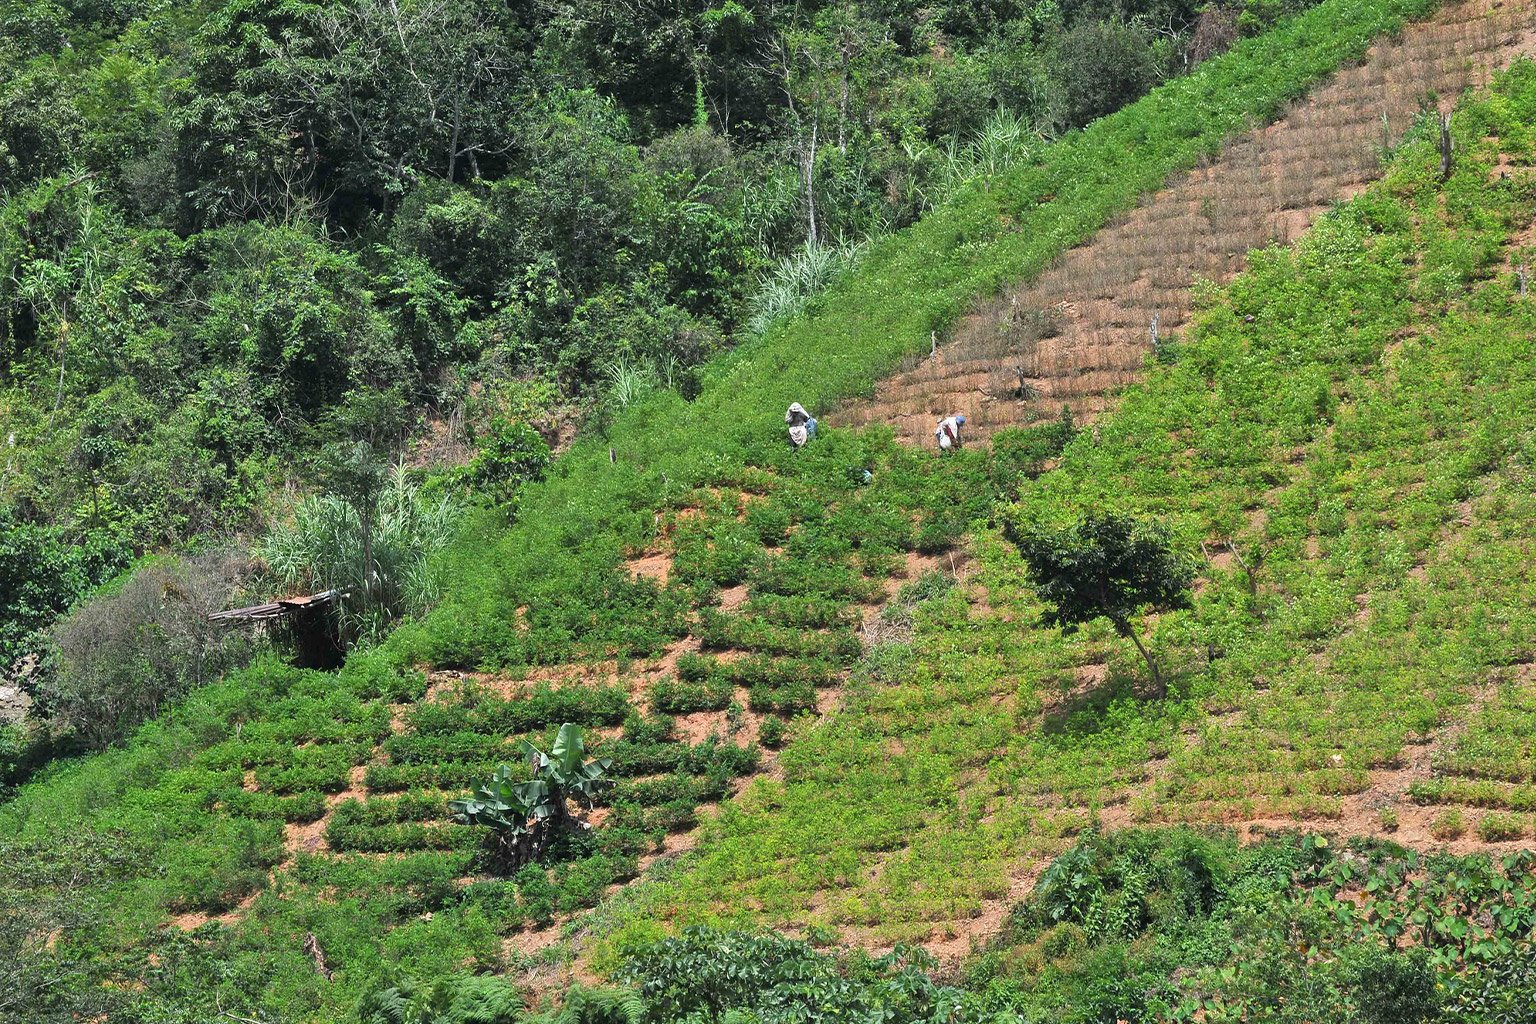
(1329, 415)
(1178, 925)
(1136, 926)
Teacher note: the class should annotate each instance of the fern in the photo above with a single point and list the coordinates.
(458, 999)
(385, 1006)
(585, 1005)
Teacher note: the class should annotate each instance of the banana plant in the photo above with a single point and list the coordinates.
(499, 803)
(517, 809)
(564, 773)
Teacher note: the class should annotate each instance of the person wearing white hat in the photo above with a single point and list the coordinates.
(801, 426)
(948, 432)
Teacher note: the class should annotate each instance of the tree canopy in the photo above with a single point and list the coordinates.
(1105, 565)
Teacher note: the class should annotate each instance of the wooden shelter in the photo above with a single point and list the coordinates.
(310, 619)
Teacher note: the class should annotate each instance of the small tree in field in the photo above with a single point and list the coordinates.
(1106, 566)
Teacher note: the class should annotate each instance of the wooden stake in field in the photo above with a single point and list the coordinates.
(1446, 145)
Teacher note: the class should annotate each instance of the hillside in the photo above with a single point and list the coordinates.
(1081, 330)
(1342, 422)
(236, 235)
(821, 678)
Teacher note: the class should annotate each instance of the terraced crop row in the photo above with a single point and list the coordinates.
(1350, 417)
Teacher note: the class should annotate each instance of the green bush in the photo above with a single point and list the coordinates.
(772, 732)
(679, 698)
(510, 455)
(1102, 66)
(784, 700)
(708, 973)
(1498, 827)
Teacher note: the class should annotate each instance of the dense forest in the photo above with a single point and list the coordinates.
(237, 236)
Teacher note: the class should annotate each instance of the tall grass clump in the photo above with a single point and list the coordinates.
(627, 379)
(1002, 143)
(323, 548)
(786, 290)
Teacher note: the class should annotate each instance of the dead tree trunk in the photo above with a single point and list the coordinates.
(808, 171)
(316, 954)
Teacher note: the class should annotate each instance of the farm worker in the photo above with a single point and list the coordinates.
(801, 427)
(948, 432)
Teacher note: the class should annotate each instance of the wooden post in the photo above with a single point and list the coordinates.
(1524, 278)
(1446, 146)
(933, 342)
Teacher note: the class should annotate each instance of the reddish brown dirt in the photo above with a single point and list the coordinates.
(657, 566)
(197, 918)
(957, 940)
(310, 837)
(442, 442)
(1081, 330)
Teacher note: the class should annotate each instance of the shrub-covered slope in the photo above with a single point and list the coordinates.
(232, 232)
(606, 490)
(970, 745)
(1350, 417)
